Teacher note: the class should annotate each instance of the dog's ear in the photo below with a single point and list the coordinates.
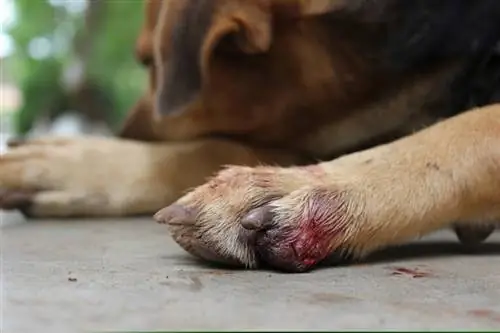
(139, 122)
(245, 26)
(202, 30)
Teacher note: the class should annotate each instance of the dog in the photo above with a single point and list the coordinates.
(348, 126)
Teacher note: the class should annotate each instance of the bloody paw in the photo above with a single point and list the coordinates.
(253, 217)
(300, 230)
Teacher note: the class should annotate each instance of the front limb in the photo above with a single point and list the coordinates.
(98, 177)
(293, 218)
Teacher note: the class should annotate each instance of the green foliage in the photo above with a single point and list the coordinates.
(111, 61)
(41, 91)
(114, 63)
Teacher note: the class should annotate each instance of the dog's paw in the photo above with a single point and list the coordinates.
(285, 218)
(291, 219)
(62, 177)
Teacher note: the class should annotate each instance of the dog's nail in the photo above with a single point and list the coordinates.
(258, 219)
(175, 215)
(473, 236)
(16, 200)
(16, 142)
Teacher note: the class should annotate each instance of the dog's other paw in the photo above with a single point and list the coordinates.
(63, 177)
(285, 218)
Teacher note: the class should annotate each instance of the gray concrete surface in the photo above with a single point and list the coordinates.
(75, 276)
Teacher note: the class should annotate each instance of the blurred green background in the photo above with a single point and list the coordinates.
(70, 55)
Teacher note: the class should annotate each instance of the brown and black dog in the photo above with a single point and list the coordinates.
(276, 86)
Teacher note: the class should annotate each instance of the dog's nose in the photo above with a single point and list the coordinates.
(176, 215)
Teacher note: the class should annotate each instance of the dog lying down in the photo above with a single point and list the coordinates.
(349, 125)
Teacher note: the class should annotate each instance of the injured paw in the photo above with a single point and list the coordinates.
(285, 218)
(292, 219)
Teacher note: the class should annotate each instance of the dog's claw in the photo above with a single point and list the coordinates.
(16, 200)
(175, 215)
(258, 219)
(472, 236)
(16, 142)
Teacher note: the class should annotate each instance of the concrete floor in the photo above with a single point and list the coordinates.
(70, 276)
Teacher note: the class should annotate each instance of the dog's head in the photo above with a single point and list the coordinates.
(258, 69)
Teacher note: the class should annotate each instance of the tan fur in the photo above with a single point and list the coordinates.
(407, 189)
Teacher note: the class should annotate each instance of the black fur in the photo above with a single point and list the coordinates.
(421, 31)
(425, 33)
(431, 30)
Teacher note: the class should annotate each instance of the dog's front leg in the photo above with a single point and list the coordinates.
(292, 218)
(90, 176)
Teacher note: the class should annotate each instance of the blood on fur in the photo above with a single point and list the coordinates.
(309, 237)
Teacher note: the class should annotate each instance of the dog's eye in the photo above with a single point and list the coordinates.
(146, 61)
(144, 58)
